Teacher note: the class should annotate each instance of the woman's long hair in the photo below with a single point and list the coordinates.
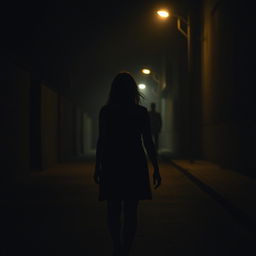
(124, 90)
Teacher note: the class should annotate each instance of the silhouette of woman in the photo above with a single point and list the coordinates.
(121, 166)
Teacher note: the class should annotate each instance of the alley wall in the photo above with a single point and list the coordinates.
(228, 121)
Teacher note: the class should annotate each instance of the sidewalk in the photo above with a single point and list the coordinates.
(238, 190)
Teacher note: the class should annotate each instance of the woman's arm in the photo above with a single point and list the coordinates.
(150, 147)
(98, 167)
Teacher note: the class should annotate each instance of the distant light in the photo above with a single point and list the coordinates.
(163, 13)
(142, 86)
(146, 71)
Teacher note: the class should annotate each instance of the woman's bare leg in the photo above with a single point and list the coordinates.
(130, 224)
(114, 224)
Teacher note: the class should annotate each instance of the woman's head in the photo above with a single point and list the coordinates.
(124, 90)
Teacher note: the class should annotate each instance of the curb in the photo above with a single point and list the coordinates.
(240, 216)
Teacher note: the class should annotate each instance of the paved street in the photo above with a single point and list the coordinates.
(57, 213)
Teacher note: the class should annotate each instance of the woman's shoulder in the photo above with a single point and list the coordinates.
(111, 108)
(103, 110)
(108, 108)
(104, 107)
(141, 109)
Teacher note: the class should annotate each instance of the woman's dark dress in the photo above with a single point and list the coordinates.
(124, 170)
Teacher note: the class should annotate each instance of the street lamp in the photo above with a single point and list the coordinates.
(181, 22)
(146, 71)
(164, 14)
(142, 86)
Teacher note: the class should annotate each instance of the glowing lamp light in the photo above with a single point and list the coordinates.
(163, 13)
(142, 86)
(146, 71)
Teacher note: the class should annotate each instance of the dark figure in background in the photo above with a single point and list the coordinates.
(121, 166)
(156, 124)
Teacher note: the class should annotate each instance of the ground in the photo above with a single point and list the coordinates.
(56, 212)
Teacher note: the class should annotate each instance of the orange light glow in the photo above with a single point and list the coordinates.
(146, 71)
(163, 13)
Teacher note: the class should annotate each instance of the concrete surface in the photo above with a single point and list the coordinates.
(57, 213)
